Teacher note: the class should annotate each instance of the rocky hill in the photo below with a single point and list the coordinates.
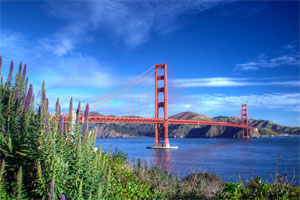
(265, 128)
(190, 116)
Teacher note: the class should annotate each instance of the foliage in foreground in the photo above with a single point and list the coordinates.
(256, 189)
(49, 157)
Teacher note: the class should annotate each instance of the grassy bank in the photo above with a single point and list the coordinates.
(48, 157)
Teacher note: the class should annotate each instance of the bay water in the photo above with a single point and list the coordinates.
(230, 159)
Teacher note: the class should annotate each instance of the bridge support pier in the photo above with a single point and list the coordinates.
(161, 130)
(245, 120)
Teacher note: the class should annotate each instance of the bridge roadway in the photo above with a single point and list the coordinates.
(138, 120)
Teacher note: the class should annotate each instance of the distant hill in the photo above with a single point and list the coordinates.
(265, 128)
(190, 116)
(95, 114)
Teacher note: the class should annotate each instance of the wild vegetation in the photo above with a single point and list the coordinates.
(46, 156)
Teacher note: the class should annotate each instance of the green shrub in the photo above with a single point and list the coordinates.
(256, 189)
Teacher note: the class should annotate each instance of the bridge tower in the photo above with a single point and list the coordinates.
(245, 120)
(161, 130)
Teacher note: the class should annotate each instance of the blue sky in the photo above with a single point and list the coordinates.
(225, 53)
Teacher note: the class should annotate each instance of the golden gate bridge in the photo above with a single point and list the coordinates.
(135, 98)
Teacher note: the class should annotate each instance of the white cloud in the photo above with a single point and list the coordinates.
(287, 56)
(12, 44)
(244, 10)
(70, 71)
(232, 82)
(74, 75)
(129, 22)
(65, 40)
(77, 71)
(284, 101)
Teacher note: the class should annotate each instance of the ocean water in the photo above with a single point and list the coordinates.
(227, 158)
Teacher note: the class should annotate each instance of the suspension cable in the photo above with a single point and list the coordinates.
(180, 94)
(123, 90)
(123, 85)
(188, 93)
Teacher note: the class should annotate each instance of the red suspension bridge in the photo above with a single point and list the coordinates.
(138, 100)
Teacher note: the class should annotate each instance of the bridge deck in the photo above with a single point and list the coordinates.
(137, 120)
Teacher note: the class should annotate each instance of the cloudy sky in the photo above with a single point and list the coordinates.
(224, 52)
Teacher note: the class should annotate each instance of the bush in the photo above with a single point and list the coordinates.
(256, 189)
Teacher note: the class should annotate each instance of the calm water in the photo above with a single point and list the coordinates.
(224, 157)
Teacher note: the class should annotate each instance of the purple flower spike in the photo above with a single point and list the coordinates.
(51, 191)
(5, 129)
(85, 130)
(44, 95)
(17, 95)
(11, 69)
(62, 197)
(24, 72)
(47, 128)
(47, 104)
(32, 99)
(86, 112)
(57, 107)
(30, 88)
(23, 101)
(20, 68)
(78, 109)
(71, 104)
(28, 99)
(61, 125)
(57, 102)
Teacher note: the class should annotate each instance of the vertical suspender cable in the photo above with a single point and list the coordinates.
(188, 93)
